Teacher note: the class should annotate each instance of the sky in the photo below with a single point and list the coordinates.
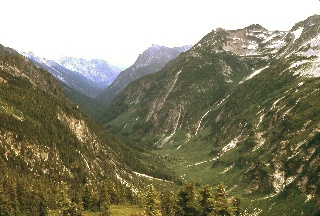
(119, 30)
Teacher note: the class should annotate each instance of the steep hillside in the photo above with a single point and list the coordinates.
(241, 107)
(150, 61)
(176, 96)
(38, 120)
(48, 145)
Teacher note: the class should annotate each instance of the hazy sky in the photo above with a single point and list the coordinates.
(118, 30)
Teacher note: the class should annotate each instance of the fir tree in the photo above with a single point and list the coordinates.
(167, 203)
(68, 208)
(152, 203)
(221, 205)
(104, 200)
(206, 200)
(236, 202)
(186, 203)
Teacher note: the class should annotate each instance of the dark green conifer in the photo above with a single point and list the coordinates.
(186, 202)
(152, 203)
(206, 200)
(167, 203)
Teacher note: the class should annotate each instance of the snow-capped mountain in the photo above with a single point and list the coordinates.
(97, 70)
(150, 61)
(72, 79)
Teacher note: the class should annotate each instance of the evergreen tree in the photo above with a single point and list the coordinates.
(186, 202)
(152, 203)
(3, 199)
(105, 208)
(104, 200)
(167, 203)
(236, 202)
(68, 208)
(206, 200)
(221, 205)
(10, 196)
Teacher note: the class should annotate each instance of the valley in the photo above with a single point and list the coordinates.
(238, 111)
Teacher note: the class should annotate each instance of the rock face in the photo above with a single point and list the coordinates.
(150, 61)
(251, 96)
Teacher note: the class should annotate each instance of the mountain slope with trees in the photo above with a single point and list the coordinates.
(52, 156)
(241, 106)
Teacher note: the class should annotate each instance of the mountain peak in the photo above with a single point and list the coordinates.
(150, 61)
(98, 71)
(309, 22)
(256, 27)
(155, 53)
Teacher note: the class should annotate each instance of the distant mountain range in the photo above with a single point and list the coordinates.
(96, 70)
(87, 77)
(150, 61)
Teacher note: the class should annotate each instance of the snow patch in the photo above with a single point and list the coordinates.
(230, 145)
(199, 124)
(275, 103)
(165, 140)
(254, 73)
(310, 71)
(297, 33)
(260, 120)
(260, 141)
(227, 169)
(309, 197)
(222, 100)
(278, 179)
(150, 177)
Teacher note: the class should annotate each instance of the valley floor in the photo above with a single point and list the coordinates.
(116, 210)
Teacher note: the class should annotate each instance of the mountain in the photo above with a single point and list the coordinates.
(150, 61)
(241, 107)
(97, 71)
(43, 131)
(52, 156)
(72, 79)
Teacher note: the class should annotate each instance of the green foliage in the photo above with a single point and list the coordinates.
(68, 208)
(221, 204)
(152, 202)
(104, 200)
(167, 203)
(206, 200)
(186, 202)
(190, 200)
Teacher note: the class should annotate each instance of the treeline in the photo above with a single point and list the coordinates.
(25, 195)
(22, 194)
(189, 200)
